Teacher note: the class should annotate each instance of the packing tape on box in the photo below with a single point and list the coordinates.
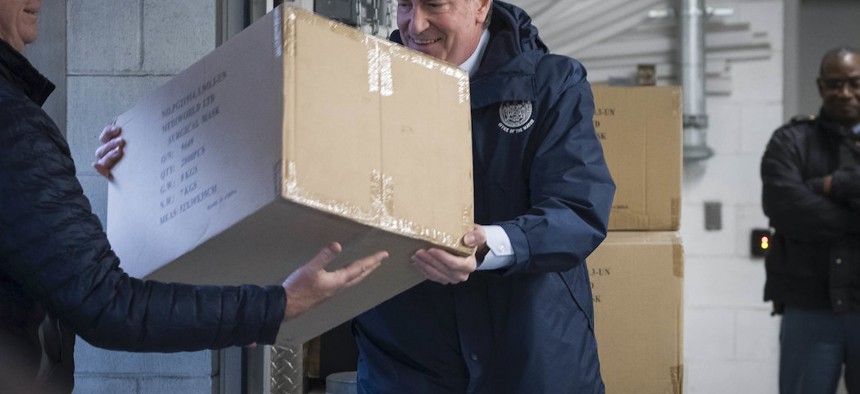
(677, 374)
(413, 57)
(380, 52)
(382, 198)
(379, 77)
(678, 261)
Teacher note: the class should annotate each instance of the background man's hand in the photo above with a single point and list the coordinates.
(442, 267)
(312, 284)
(846, 183)
(111, 150)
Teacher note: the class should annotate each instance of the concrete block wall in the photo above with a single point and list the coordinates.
(731, 340)
(118, 50)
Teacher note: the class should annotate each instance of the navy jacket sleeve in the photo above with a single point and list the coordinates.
(570, 187)
(52, 244)
(793, 208)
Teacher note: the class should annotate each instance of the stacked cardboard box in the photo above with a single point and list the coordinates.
(637, 273)
(640, 128)
(295, 132)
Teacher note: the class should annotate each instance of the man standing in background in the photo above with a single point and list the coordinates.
(811, 194)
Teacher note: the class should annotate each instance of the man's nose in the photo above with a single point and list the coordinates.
(419, 21)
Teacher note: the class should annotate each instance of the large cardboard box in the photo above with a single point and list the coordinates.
(641, 131)
(638, 289)
(296, 132)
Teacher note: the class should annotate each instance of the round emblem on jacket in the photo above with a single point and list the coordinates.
(515, 116)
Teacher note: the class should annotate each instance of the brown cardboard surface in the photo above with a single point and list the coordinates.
(296, 132)
(638, 290)
(641, 131)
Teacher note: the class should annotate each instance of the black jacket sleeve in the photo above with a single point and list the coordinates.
(52, 244)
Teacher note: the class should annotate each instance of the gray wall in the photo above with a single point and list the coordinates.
(118, 50)
(824, 24)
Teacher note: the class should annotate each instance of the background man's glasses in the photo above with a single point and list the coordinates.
(838, 84)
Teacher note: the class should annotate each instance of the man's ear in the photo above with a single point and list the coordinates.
(483, 10)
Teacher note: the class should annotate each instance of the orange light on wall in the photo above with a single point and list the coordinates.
(760, 242)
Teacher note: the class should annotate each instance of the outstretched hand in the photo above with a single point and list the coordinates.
(110, 152)
(311, 284)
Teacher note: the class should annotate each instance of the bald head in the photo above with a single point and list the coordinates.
(834, 55)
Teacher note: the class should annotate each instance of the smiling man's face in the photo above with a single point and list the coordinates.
(446, 29)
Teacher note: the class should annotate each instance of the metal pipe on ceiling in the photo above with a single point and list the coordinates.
(693, 14)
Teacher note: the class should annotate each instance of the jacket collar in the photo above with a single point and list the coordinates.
(833, 128)
(471, 64)
(506, 71)
(508, 67)
(512, 35)
(18, 71)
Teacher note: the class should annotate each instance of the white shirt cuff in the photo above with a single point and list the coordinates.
(501, 253)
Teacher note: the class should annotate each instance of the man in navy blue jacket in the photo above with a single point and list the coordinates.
(517, 317)
(520, 317)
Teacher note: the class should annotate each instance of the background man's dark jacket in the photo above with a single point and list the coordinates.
(814, 261)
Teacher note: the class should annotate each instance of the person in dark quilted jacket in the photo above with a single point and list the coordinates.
(59, 276)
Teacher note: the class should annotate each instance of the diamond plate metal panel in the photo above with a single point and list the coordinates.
(286, 369)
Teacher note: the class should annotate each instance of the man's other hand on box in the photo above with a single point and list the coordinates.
(440, 266)
(312, 284)
(111, 150)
